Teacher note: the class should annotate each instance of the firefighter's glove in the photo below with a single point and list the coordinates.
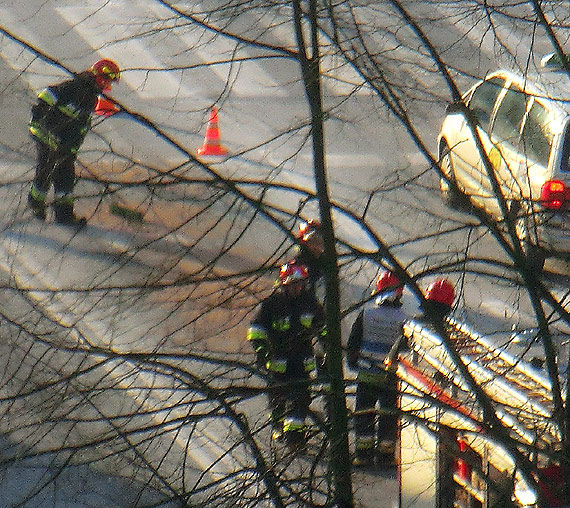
(391, 361)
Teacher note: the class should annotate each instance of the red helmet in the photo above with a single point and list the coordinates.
(441, 291)
(308, 229)
(105, 71)
(388, 285)
(292, 272)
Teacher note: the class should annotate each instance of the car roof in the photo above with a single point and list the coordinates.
(553, 85)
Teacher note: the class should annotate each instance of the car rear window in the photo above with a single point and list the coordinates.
(507, 124)
(537, 135)
(483, 100)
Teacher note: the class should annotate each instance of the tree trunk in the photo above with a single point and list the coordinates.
(338, 420)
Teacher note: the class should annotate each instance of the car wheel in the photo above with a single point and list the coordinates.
(448, 194)
(527, 234)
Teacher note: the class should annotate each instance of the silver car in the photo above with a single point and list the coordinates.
(523, 123)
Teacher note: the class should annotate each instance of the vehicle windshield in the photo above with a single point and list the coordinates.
(483, 100)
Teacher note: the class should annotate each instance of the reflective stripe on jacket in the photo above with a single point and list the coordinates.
(46, 137)
(62, 115)
(285, 329)
(256, 332)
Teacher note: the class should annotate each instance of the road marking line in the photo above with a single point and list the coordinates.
(93, 27)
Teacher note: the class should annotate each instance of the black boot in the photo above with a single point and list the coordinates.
(38, 207)
(64, 215)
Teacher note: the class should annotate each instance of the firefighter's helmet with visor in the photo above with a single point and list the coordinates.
(388, 287)
(106, 72)
(292, 272)
(441, 291)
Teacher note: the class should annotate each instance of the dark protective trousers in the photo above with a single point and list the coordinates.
(289, 395)
(367, 396)
(54, 167)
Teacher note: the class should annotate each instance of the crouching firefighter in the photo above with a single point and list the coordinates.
(282, 335)
(374, 332)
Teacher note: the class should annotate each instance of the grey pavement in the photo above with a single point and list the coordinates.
(35, 483)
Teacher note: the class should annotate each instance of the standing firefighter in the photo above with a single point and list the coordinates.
(374, 332)
(60, 120)
(282, 335)
(311, 249)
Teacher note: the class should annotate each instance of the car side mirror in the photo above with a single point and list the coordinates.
(476, 115)
(455, 107)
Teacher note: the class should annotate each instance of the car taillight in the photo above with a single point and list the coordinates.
(554, 195)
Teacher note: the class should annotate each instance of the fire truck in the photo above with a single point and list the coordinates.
(446, 459)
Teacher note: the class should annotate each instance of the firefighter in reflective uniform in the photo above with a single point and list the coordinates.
(374, 332)
(60, 120)
(282, 335)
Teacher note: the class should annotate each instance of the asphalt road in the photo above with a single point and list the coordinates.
(367, 151)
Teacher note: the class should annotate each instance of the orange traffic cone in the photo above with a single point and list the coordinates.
(212, 145)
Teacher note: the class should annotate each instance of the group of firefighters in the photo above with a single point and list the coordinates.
(291, 319)
(284, 331)
(288, 322)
